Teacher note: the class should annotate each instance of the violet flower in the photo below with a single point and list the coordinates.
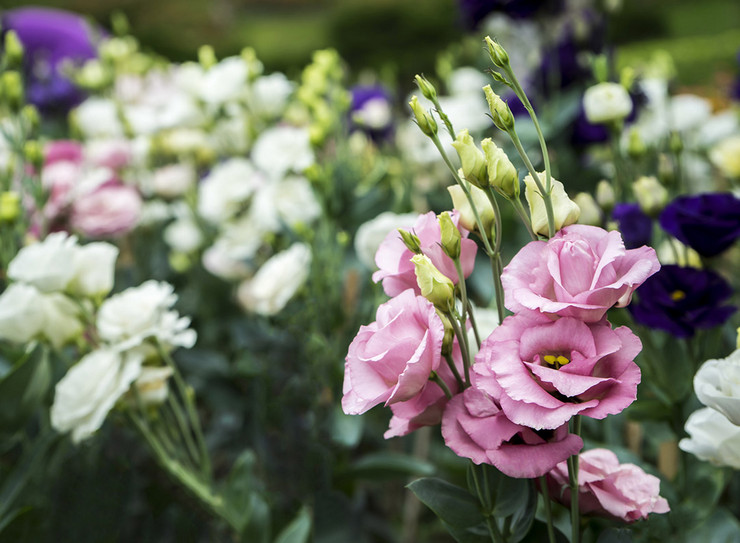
(371, 111)
(636, 227)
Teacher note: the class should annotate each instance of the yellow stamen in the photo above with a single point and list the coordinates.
(562, 360)
(550, 359)
(678, 295)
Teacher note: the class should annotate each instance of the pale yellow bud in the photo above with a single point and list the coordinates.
(565, 210)
(472, 159)
(435, 286)
(450, 236)
(502, 174)
(425, 120)
(10, 206)
(606, 102)
(482, 205)
(498, 54)
(650, 194)
(426, 88)
(605, 195)
(500, 112)
(590, 210)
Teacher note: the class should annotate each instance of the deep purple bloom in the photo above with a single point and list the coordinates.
(371, 111)
(680, 300)
(49, 37)
(708, 223)
(474, 11)
(636, 227)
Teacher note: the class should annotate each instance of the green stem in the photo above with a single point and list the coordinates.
(455, 372)
(620, 181)
(437, 379)
(185, 430)
(444, 117)
(462, 340)
(575, 521)
(548, 509)
(524, 216)
(484, 500)
(473, 323)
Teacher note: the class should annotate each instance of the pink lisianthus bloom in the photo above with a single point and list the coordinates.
(110, 210)
(114, 153)
(391, 359)
(549, 371)
(66, 150)
(427, 407)
(62, 170)
(580, 272)
(394, 259)
(475, 427)
(608, 488)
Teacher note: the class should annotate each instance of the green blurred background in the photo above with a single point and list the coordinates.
(404, 37)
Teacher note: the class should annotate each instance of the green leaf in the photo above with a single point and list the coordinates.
(257, 529)
(387, 465)
(458, 510)
(523, 517)
(721, 527)
(299, 530)
(616, 535)
(23, 388)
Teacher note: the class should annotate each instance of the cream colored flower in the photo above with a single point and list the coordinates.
(565, 210)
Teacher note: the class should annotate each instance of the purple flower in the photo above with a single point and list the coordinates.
(474, 11)
(49, 37)
(680, 300)
(708, 223)
(635, 226)
(371, 111)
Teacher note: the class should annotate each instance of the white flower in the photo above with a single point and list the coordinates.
(717, 385)
(226, 188)
(295, 201)
(466, 81)
(223, 260)
(22, 315)
(283, 149)
(650, 194)
(98, 118)
(139, 313)
(94, 269)
(277, 281)
(270, 94)
(688, 111)
(726, 157)
(151, 385)
(565, 210)
(183, 235)
(89, 390)
(224, 81)
(61, 322)
(173, 180)
(606, 102)
(712, 438)
(48, 265)
(372, 233)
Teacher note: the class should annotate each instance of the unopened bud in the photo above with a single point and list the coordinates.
(605, 195)
(11, 89)
(590, 211)
(565, 211)
(13, 50)
(119, 23)
(502, 174)
(10, 206)
(650, 194)
(426, 88)
(449, 337)
(666, 172)
(424, 119)
(254, 65)
(33, 153)
(434, 285)
(411, 241)
(30, 116)
(635, 146)
(500, 112)
(482, 206)
(606, 103)
(207, 56)
(675, 143)
(450, 236)
(499, 78)
(600, 68)
(472, 159)
(498, 54)
(627, 77)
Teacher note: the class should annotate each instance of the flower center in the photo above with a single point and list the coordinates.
(557, 361)
(678, 295)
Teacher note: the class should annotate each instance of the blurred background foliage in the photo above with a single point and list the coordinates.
(399, 39)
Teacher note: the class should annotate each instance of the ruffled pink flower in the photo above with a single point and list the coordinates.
(67, 150)
(549, 371)
(475, 427)
(394, 259)
(110, 210)
(608, 488)
(580, 272)
(391, 359)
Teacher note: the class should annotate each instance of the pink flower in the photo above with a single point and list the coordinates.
(608, 488)
(394, 259)
(549, 371)
(114, 153)
(581, 272)
(66, 150)
(475, 427)
(110, 210)
(391, 359)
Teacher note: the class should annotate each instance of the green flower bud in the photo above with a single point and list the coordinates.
(207, 56)
(635, 146)
(666, 173)
(502, 174)
(11, 89)
(254, 66)
(500, 112)
(650, 194)
(434, 285)
(449, 337)
(13, 50)
(500, 78)
(33, 153)
(30, 116)
(426, 88)
(10, 206)
(482, 206)
(424, 119)
(498, 54)
(451, 238)
(600, 68)
(605, 195)
(590, 210)
(412, 242)
(472, 159)
(119, 23)
(675, 143)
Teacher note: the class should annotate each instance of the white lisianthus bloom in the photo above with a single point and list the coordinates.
(372, 233)
(183, 235)
(61, 322)
(270, 94)
(22, 316)
(466, 81)
(48, 265)
(226, 188)
(94, 269)
(98, 118)
(295, 201)
(282, 149)
(90, 389)
(726, 157)
(606, 102)
(717, 385)
(151, 385)
(712, 438)
(128, 319)
(688, 111)
(225, 81)
(222, 260)
(650, 194)
(565, 210)
(173, 180)
(277, 281)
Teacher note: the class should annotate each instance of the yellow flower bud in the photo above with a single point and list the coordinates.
(207, 56)
(11, 89)
(482, 205)
(650, 194)
(425, 120)
(500, 112)
(451, 238)
(605, 195)
(590, 211)
(13, 50)
(472, 159)
(565, 211)
(726, 156)
(502, 174)
(10, 206)
(435, 286)
(635, 146)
